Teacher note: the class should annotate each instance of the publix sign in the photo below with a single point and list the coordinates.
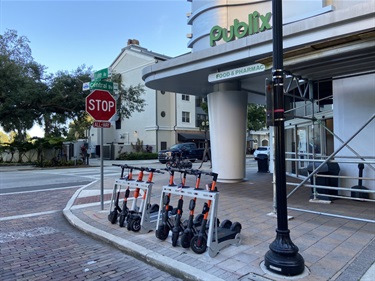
(256, 23)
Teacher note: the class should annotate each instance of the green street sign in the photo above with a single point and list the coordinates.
(102, 74)
(101, 85)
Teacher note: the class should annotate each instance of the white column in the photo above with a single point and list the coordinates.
(227, 109)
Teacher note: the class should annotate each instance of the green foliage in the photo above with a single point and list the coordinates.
(4, 138)
(20, 85)
(29, 96)
(129, 99)
(66, 101)
(256, 117)
(137, 156)
(78, 129)
(138, 146)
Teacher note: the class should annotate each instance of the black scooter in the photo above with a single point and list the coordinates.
(136, 217)
(165, 224)
(190, 230)
(199, 241)
(177, 227)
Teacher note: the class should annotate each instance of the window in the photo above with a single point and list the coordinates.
(163, 145)
(185, 117)
(186, 97)
(118, 124)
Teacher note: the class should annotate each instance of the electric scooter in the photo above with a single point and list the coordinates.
(113, 215)
(135, 220)
(125, 209)
(223, 234)
(135, 209)
(199, 241)
(165, 224)
(190, 230)
(177, 228)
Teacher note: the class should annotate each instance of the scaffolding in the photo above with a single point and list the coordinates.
(316, 162)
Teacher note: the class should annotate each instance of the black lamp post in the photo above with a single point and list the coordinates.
(205, 126)
(283, 257)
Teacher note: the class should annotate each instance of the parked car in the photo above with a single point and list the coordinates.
(188, 150)
(261, 150)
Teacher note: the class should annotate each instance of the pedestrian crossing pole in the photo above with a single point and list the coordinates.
(283, 257)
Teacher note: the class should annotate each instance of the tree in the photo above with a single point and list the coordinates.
(20, 81)
(78, 128)
(4, 138)
(129, 99)
(256, 117)
(64, 101)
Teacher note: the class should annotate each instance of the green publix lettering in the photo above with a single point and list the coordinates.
(256, 23)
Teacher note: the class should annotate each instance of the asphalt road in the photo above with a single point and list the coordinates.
(37, 243)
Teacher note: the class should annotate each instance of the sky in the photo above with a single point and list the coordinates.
(66, 34)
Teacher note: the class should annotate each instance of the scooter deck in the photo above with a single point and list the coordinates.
(224, 234)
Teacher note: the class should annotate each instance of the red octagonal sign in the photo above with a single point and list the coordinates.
(101, 105)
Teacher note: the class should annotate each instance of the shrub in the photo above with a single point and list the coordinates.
(137, 156)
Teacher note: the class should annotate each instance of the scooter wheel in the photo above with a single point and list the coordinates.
(136, 224)
(198, 246)
(121, 220)
(236, 227)
(186, 238)
(226, 224)
(129, 223)
(162, 232)
(175, 236)
(112, 217)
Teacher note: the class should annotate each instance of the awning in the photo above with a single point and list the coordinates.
(191, 137)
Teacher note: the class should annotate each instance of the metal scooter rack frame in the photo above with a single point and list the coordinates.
(148, 222)
(213, 245)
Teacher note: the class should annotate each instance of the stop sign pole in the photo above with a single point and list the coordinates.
(101, 105)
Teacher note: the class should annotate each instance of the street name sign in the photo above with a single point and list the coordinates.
(103, 74)
(101, 85)
(101, 105)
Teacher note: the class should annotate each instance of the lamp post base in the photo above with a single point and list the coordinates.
(283, 257)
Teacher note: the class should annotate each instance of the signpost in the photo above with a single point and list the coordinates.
(101, 105)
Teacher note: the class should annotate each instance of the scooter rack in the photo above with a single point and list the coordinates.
(141, 218)
(218, 237)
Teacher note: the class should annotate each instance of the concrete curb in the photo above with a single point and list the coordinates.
(164, 263)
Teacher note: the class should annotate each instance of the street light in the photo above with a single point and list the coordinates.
(205, 127)
(283, 257)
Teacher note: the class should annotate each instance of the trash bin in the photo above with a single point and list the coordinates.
(332, 169)
(262, 163)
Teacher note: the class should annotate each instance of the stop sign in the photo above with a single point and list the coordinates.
(101, 105)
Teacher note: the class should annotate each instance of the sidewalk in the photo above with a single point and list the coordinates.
(334, 248)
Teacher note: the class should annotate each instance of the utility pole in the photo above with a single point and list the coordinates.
(283, 257)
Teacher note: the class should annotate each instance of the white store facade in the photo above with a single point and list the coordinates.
(329, 85)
